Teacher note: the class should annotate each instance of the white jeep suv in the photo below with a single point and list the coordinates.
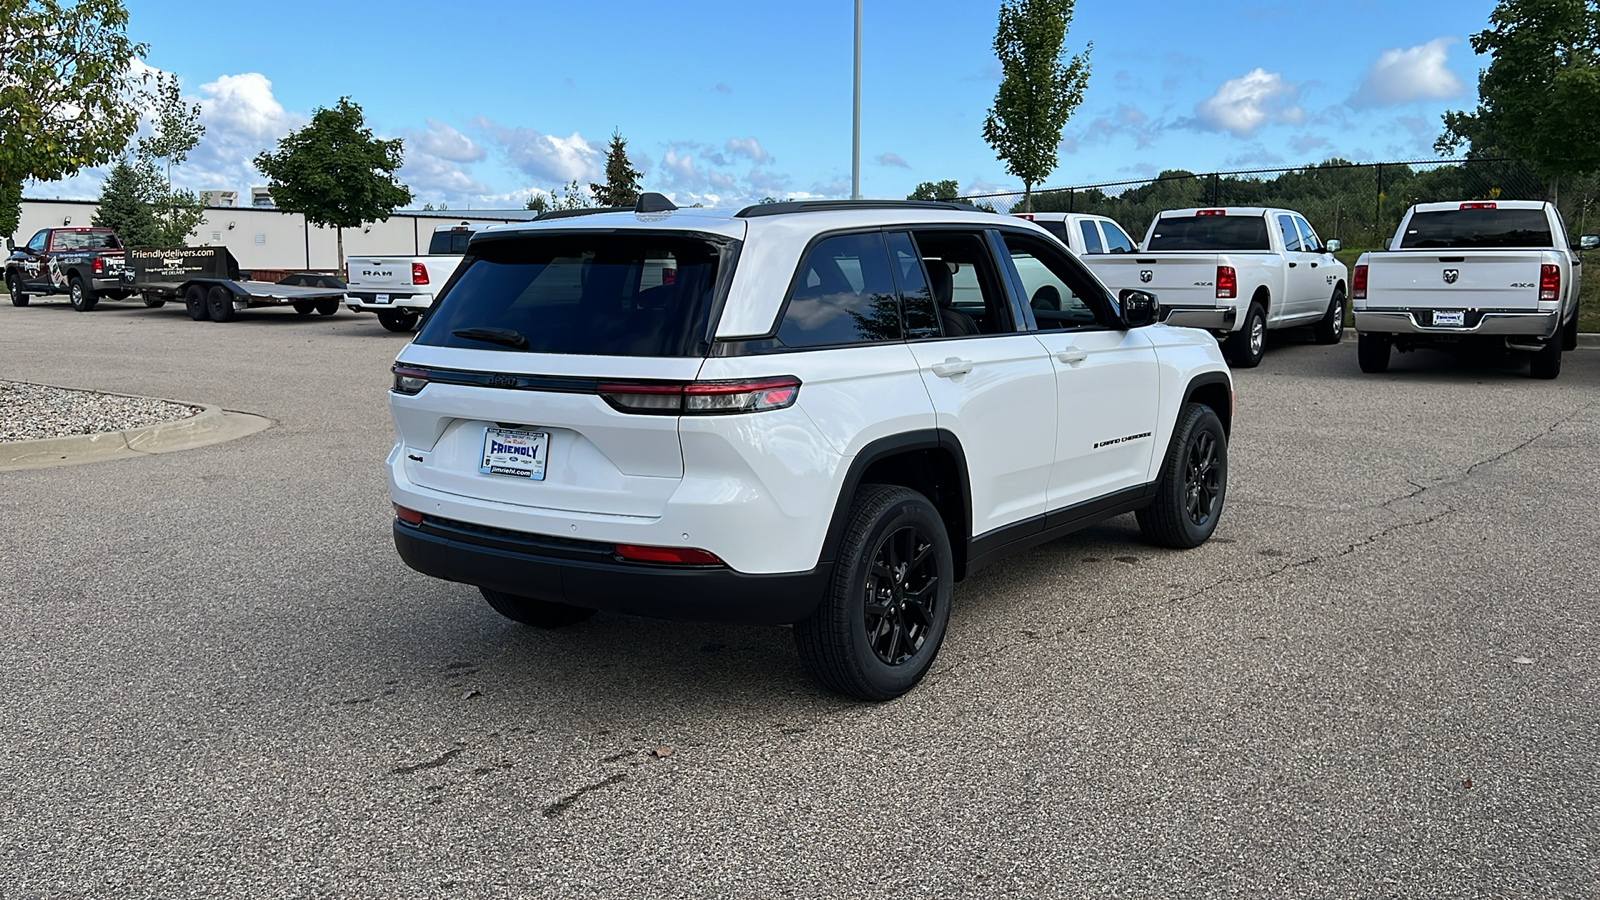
(826, 416)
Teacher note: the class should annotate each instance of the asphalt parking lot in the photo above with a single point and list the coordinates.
(1379, 680)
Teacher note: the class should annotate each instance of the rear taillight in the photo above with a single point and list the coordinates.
(703, 398)
(99, 266)
(1358, 283)
(1549, 282)
(408, 380)
(672, 556)
(419, 273)
(669, 276)
(407, 515)
(1227, 283)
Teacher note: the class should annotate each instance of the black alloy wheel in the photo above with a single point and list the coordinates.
(1202, 486)
(1194, 482)
(901, 603)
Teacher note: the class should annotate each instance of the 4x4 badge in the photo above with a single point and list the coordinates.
(1145, 275)
(1450, 275)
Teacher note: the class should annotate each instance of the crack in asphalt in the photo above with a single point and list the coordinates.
(555, 809)
(430, 764)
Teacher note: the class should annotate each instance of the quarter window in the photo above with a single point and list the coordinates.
(844, 295)
(916, 300)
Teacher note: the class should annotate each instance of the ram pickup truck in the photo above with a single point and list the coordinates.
(1486, 272)
(1237, 272)
(1084, 234)
(83, 263)
(400, 288)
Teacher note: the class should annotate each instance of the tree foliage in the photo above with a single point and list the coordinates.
(142, 207)
(949, 190)
(67, 95)
(622, 179)
(568, 196)
(1039, 88)
(335, 172)
(1539, 99)
(177, 126)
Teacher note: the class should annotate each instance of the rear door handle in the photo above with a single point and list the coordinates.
(1292, 265)
(952, 367)
(1072, 355)
(1313, 265)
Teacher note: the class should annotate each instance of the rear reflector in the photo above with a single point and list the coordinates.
(408, 516)
(419, 273)
(676, 556)
(1358, 283)
(703, 397)
(1477, 206)
(1549, 282)
(1227, 283)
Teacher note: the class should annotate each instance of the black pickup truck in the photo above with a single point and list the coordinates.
(83, 263)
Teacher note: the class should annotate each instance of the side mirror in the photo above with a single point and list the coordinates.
(1335, 245)
(1139, 308)
(1589, 242)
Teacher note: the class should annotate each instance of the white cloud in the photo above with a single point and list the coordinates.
(1399, 77)
(1242, 105)
(749, 148)
(892, 159)
(546, 157)
(242, 118)
(444, 142)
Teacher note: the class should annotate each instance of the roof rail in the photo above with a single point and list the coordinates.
(797, 206)
(587, 211)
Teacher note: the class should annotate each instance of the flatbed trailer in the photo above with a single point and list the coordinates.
(212, 287)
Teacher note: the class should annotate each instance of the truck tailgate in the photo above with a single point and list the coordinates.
(1177, 279)
(1465, 279)
(379, 273)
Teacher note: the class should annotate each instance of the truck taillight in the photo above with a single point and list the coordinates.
(1549, 282)
(99, 266)
(702, 398)
(419, 273)
(1358, 283)
(1227, 283)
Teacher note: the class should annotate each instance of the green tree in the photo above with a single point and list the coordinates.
(622, 179)
(1039, 88)
(67, 96)
(936, 190)
(568, 196)
(126, 203)
(1539, 99)
(177, 126)
(335, 172)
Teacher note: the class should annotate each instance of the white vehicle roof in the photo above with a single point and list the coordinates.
(1229, 211)
(1059, 216)
(464, 226)
(1452, 205)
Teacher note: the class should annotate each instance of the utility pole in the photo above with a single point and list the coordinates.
(855, 142)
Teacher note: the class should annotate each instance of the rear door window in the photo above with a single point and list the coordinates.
(1490, 228)
(583, 293)
(843, 294)
(1215, 233)
(1091, 236)
(965, 284)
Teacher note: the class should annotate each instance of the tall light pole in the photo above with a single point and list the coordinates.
(855, 137)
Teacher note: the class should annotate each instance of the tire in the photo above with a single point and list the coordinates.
(219, 300)
(398, 319)
(896, 554)
(82, 296)
(1246, 345)
(151, 301)
(1547, 362)
(305, 307)
(538, 613)
(327, 307)
(1372, 351)
(1331, 328)
(1193, 484)
(1569, 334)
(14, 287)
(194, 303)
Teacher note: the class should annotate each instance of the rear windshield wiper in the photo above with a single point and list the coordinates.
(505, 337)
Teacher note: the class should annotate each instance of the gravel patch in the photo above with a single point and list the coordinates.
(30, 412)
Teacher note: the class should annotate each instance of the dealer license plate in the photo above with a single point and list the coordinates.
(1443, 317)
(509, 451)
(380, 298)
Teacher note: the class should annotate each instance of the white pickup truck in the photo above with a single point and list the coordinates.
(1083, 233)
(1496, 272)
(1236, 272)
(400, 288)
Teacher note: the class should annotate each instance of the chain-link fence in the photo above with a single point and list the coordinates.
(1359, 203)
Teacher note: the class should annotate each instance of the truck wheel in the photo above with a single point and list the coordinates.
(219, 300)
(194, 303)
(538, 613)
(81, 295)
(1547, 362)
(154, 301)
(1193, 485)
(1372, 351)
(14, 285)
(1331, 328)
(305, 307)
(884, 615)
(398, 319)
(1569, 334)
(1245, 346)
(327, 307)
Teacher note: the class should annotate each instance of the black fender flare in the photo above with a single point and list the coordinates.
(1205, 379)
(883, 448)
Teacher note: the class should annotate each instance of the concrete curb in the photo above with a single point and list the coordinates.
(212, 425)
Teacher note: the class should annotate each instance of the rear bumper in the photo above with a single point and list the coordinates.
(1509, 323)
(369, 300)
(586, 574)
(1211, 318)
(107, 285)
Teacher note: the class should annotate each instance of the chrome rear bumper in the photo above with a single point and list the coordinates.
(1211, 318)
(1506, 322)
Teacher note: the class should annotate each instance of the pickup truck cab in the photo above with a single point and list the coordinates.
(1236, 272)
(1084, 234)
(83, 263)
(1486, 272)
(400, 288)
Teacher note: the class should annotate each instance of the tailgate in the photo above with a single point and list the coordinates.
(1177, 279)
(379, 273)
(1475, 279)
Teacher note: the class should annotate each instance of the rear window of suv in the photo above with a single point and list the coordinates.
(1221, 233)
(597, 294)
(1478, 228)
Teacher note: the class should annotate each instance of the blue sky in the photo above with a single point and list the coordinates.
(726, 102)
